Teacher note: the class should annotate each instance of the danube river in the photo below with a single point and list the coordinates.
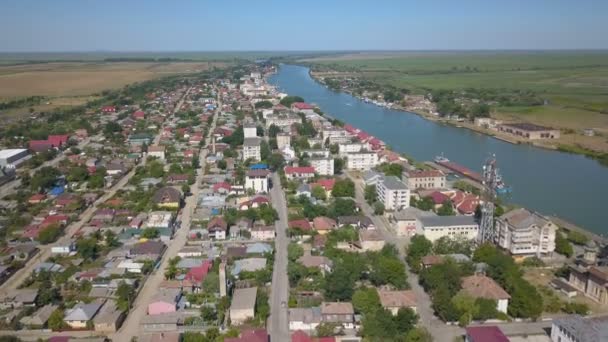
(554, 183)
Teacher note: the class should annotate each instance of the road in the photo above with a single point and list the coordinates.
(440, 331)
(278, 324)
(130, 327)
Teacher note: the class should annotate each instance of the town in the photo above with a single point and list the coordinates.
(218, 208)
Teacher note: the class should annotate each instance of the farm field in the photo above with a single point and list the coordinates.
(76, 79)
(574, 84)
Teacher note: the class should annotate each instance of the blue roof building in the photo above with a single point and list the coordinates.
(259, 166)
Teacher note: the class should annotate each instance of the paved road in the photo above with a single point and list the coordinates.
(278, 324)
(440, 331)
(130, 326)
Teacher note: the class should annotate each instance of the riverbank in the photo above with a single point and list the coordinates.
(556, 145)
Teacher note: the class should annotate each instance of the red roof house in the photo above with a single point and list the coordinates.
(438, 197)
(222, 187)
(254, 335)
(139, 115)
(197, 274)
(302, 224)
(36, 198)
(301, 106)
(485, 334)
(108, 109)
(40, 145)
(326, 183)
(324, 224)
(292, 172)
(58, 140)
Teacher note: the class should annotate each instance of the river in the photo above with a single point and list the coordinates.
(554, 183)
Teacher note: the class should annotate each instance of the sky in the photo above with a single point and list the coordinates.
(245, 25)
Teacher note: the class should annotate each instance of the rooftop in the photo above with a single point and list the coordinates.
(394, 183)
(447, 221)
(244, 298)
(585, 329)
(528, 127)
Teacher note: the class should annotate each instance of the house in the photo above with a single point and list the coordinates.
(304, 190)
(138, 115)
(164, 302)
(283, 139)
(371, 177)
(257, 180)
(147, 250)
(108, 109)
(485, 334)
(393, 193)
(221, 188)
(157, 152)
(217, 228)
(163, 323)
(529, 131)
(302, 107)
(197, 274)
(242, 307)
(323, 165)
(302, 224)
(522, 233)
(81, 314)
(260, 232)
(480, 286)
(19, 298)
(341, 313)
(371, 240)
(425, 179)
(165, 336)
(167, 197)
(252, 335)
(36, 198)
(304, 318)
(406, 220)
(592, 281)
(258, 248)
(248, 265)
(252, 148)
(299, 172)
(327, 184)
(576, 328)
(109, 318)
(435, 227)
(395, 300)
(316, 261)
(40, 145)
(38, 319)
(140, 139)
(130, 266)
(324, 225)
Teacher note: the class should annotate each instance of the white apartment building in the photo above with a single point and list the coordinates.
(425, 179)
(257, 180)
(352, 147)
(324, 166)
(283, 139)
(336, 136)
(522, 232)
(362, 161)
(250, 130)
(252, 148)
(436, 227)
(393, 193)
(282, 120)
(316, 153)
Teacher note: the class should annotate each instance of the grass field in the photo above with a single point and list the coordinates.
(575, 84)
(77, 79)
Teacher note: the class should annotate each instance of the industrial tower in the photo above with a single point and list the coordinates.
(491, 179)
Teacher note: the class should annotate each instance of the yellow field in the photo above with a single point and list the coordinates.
(77, 79)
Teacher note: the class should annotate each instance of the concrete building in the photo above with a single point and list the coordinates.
(592, 281)
(530, 131)
(243, 305)
(282, 120)
(395, 300)
(406, 221)
(435, 227)
(324, 166)
(424, 179)
(336, 136)
(362, 161)
(283, 139)
(157, 151)
(524, 233)
(13, 157)
(252, 149)
(257, 180)
(306, 319)
(393, 193)
(352, 147)
(341, 313)
(576, 328)
(250, 130)
(371, 240)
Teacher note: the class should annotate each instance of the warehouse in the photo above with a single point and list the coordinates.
(13, 156)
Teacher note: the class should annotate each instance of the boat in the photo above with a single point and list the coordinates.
(441, 159)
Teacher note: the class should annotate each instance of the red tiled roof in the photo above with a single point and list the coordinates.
(255, 335)
(299, 169)
(300, 336)
(324, 223)
(302, 224)
(486, 334)
(326, 183)
(426, 174)
(302, 105)
(198, 274)
(222, 185)
(58, 140)
(438, 197)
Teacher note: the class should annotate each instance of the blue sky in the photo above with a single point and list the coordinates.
(195, 25)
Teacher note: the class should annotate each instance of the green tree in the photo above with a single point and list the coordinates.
(50, 234)
(343, 188)
(55, 321)
(366, 300)
(276, 161)
(326, 329)
(287, 101)
(378, 208)
(379, 325)
(150, 233)
(294, 251)
(44, 178)
(273, 130)
(338, 165)
(419, 246)
(222, 164)
(405, 320)
(111, 240)
(419, 334)
(577, 238)
(263, 104)
(446, 209)
(87, 248)
(562, 245)
(77, 174)
(318, 192)
(391, 169)
(125, 294)
(370, 194)
(467, 308)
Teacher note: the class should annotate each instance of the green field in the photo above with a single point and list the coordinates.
(575, 84)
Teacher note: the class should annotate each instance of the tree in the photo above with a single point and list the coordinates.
(222, 164)
(467, 308)
(405, 320)
(55, 321)
(150, 233)
(378, 208)
(486, 309)
(44, 178)
(318, 192)
(419, 246)
(388, 270)
(339, 284)
(263, 104)
(418, 335)
(447, 209)
(208, 314)
(453, 245)
(77, 174)
(294, 251)
(577, 238)
(338, 166)
(326, 329)
(87, 248)
(391, 169)
(111, 240)
(273, 130)
(562, 245)
(379, 325)
(125, 294)
(287, 101)
(343, 188)
(49, 234)
(265, 150)
(370, 194)
(276, 161)
(366, 300)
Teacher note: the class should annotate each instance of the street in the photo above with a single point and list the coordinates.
(278, 322)
(130, 326)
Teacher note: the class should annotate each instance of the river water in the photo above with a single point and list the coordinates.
(554, 183)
